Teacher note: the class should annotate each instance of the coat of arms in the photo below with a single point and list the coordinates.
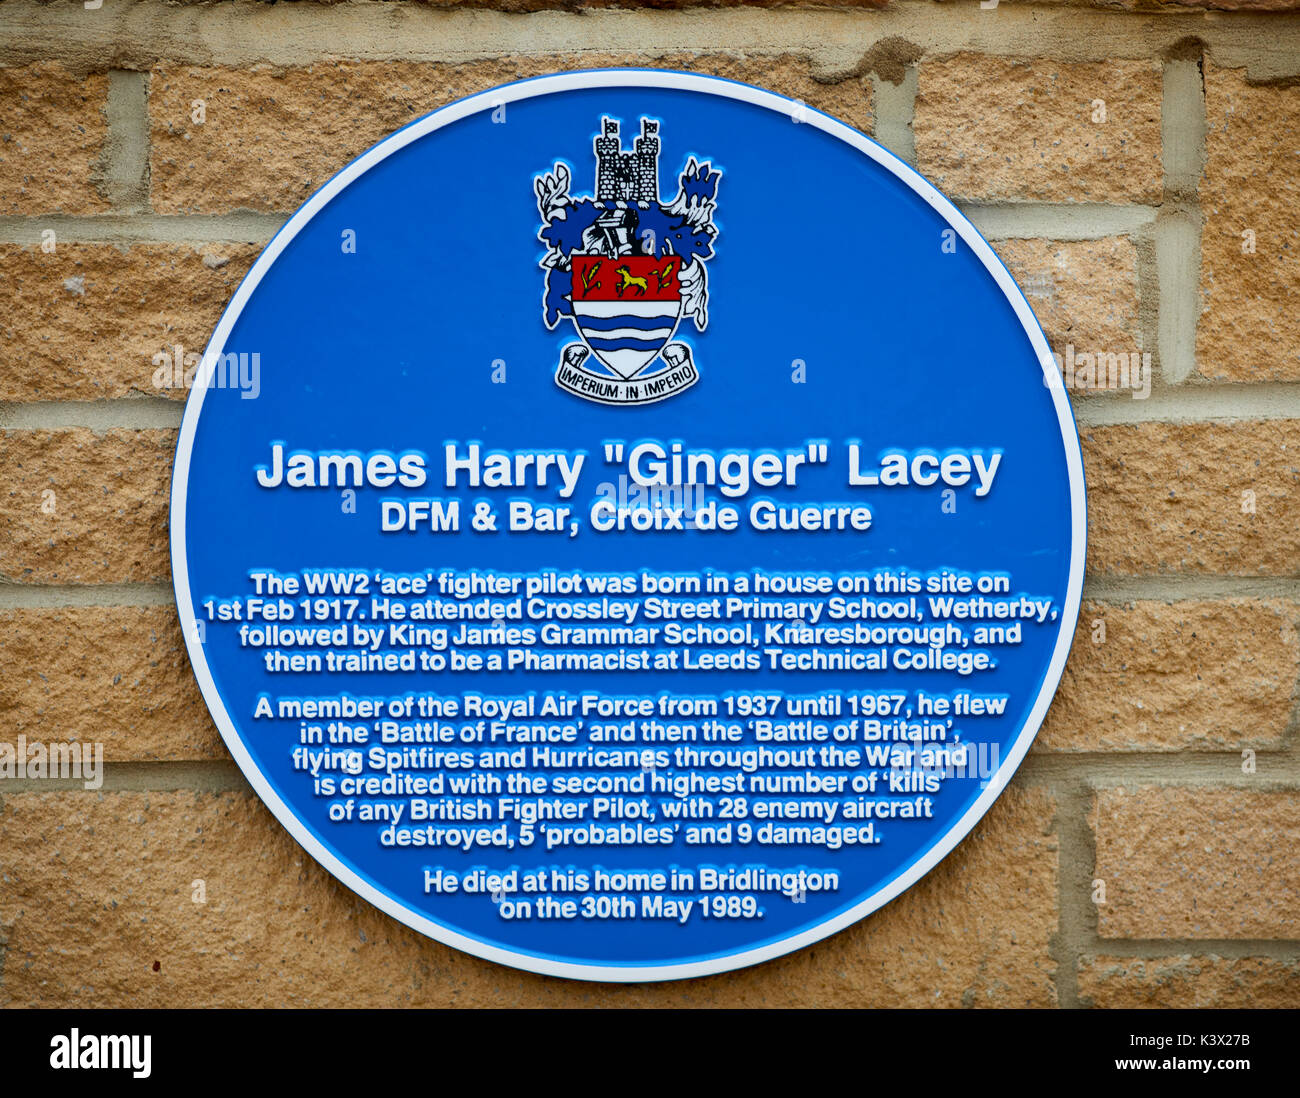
(627, 269)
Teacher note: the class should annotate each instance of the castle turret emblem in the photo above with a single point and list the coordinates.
(628, 176)
(627, 269)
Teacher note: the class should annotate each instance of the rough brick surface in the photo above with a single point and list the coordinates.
(1167, 498)
(990, 129)
(98, 887)
(1222, 5)
(78, 507)
(1201, 674)
(571, 5)
(53, 129)
(577, 5)
(87, 321)
(1189, 982)
(1188, 862)
(1084, 293)
(118, 675)
(1248, 329)
(272, 136)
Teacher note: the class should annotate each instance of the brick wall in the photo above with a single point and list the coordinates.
(1138, 171)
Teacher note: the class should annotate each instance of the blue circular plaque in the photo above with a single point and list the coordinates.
(628, 525)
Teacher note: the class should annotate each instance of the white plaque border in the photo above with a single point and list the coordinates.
(708, 85)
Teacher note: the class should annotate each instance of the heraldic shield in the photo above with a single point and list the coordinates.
(626, 309)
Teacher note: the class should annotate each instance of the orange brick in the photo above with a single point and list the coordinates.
(85, 322)
(1201, 674)
(1186, 862)
(1189, 982)
(1216, 498)
(1248, 329)
(991, 129)
(85, 508)
(118, 675)
(1084, 293)
(53, 128)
